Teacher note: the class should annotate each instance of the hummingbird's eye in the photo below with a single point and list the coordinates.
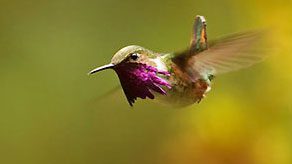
(134, 56)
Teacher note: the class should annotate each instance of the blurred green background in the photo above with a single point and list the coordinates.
(51, 113)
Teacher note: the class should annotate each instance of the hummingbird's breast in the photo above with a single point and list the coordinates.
(184, 89)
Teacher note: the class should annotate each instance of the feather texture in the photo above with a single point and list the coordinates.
(139, 80)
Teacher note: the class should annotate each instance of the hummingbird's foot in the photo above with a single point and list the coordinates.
(200, 98)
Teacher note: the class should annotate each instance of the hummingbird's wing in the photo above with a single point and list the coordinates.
(199, 38)
(110, 94)
(231, 53)
(224, 55)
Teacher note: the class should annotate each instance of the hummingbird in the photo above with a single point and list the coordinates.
(181, 78)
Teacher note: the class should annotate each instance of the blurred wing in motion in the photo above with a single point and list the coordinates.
(224, 55)
(108, 94)
(229, 54)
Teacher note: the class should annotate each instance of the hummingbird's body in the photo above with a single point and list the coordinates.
(180, 78)
(183, 90)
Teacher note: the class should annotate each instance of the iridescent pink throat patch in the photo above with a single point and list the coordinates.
(138, 80)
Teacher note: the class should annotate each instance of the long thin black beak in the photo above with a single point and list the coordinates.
(108, 66)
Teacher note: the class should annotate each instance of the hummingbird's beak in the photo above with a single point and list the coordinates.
(108, 66)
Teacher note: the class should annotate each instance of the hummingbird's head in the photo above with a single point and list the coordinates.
(138, 71)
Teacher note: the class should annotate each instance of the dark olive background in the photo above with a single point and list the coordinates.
(51, 111)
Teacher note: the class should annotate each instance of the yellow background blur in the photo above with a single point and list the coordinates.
(51, 113)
